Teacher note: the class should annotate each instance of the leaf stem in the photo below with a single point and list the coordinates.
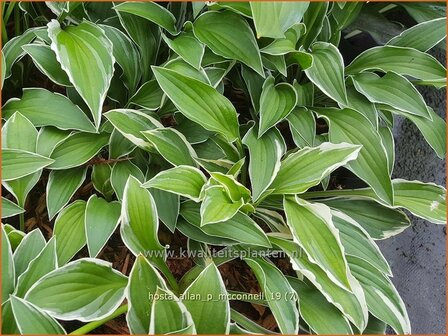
(239, 146)
(95, 324)
(22, 222)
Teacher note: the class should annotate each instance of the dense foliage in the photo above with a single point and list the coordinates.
(247, 134)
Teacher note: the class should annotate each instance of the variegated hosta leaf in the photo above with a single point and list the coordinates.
(351, 303)
(234, 189)
(69, 230)
(31, 320)
(143, 283)
(307, 167)
(30, 105)
(217, 206)
(187, 47)
(206, 300)
(45, 60)
(130, 123)
(150, 11)
(382, 298)
(61, 186)
(85, 54)
(313, 229)
(181, 180)
(30, 246)
(120, 174)
(139, 222)
(371, 165)
(10, 209)
(101, 220)
(272, 19)
(273, 283)
(380, 222)
(227, 34)
(327, 71)
(18, 163)
(169, 315)
(71, 292)
(199, 102)
(8, 269)
(77, 149)
(172, 145)
(303, 127)
(276, 102)
(240, 227)
(404, 61)
(393, 90)
(422, 36)
(320, 314)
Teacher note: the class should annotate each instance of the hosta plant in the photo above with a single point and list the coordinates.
(213, 167)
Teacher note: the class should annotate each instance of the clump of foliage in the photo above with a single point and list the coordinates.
(230, 127)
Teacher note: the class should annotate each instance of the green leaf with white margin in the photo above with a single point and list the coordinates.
(276, 102)
(31, 320)
(287, 44)
(235, 190)
(139, 222)
(12, 50)
(172, 145)
(130, 123)
(320, 315)
(404, 61)
(187, 47)
(18, 163)
(169, 315)
(30, 246)
(212, 304)
(150, 11)
(199, 102)
(433, 129)
(265, 154)
(327, 71)
(61, 186)
(168, 206)
(357, 242)
(422, 36)
(240, 227)
(120, 174)
(186, 181)
(308, 166)
(48, 138)
(100, 178)
(425, 200)
(144, 280)
(217, 206)
(3, 68)
(71, 291)
(8, 270)
(229, 35)
(77, 149)
(9, 326)
(148, 96)
(45, 60)
(30, 105)
(387, 138)
(19, 133)
(85, 54)
(273, 19)
(351, 303)
(272, 282)
(101, 220)
(127, 56)
(10, 209)
(42, 264)
(69, 229)
(393, 90)
(382, 298)
(313, 229)
(357, 101)
(350, 126)
(378, 221)
(303, 126)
